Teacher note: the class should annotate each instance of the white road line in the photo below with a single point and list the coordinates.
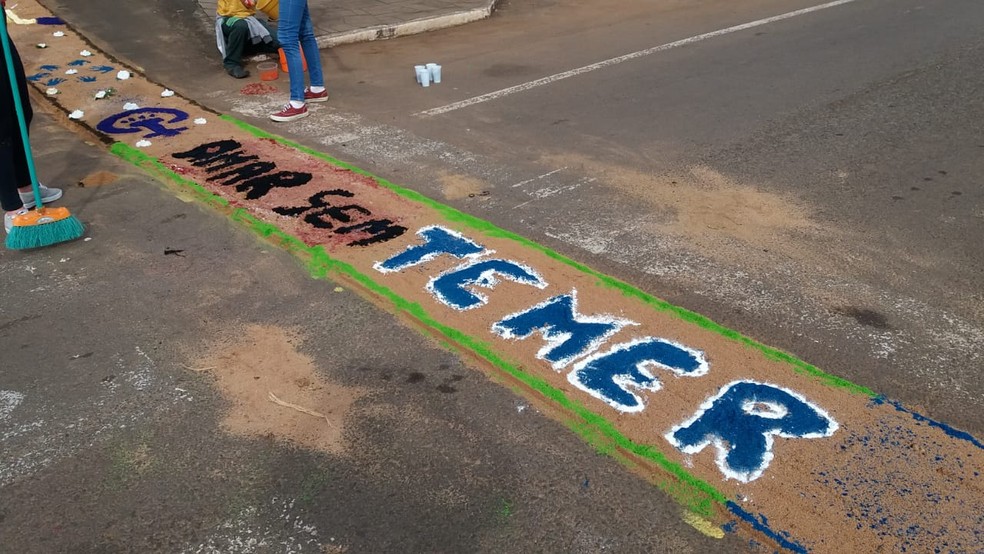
(615, 61)
(521, 183)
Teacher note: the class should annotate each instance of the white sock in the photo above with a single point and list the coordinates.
(296, 104)
(316, 90)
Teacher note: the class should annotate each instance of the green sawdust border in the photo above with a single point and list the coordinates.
(606, 281)
(693, 493)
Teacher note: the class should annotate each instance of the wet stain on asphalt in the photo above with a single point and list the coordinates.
(864, 316)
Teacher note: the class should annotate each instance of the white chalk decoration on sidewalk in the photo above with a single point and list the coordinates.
(167, 93)
(71, 72)
(200, 121)
(77, 114)
(51, 91)
(130, 106)
(123, 75)
(143, 143)
(58, 34)
(85, 53)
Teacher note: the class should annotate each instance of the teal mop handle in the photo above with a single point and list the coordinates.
(19, 106)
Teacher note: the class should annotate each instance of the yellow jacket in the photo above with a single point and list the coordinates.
(235, 8)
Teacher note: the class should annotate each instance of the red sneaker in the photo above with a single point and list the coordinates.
(290, 113)
(315, 96)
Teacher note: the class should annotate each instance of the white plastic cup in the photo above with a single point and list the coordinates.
(425, 78)
(435, 72)
(418, 69)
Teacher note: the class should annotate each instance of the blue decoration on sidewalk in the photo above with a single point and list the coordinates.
(950, 431)
(438, 241)
(610, 376)
(742, 422)
(156, 122)
(761, 524)
(569, 335)
(450, 288)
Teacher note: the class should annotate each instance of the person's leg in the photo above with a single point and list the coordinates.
(11, 150)
(272, 47)
(9, 198)
(13, 163)
(310, 46)
(18, 152)
(236, 37)
(288, 33)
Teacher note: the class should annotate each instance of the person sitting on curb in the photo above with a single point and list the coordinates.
(238, 32)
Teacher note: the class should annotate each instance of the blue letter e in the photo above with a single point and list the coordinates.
(742, 421)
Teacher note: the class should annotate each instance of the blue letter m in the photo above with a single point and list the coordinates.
(569, 335)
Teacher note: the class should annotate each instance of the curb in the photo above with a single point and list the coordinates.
(412, 27)
(406, 28)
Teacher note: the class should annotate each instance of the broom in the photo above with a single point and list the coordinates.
(41, 226)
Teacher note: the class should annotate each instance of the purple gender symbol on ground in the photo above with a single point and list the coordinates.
(156, 122)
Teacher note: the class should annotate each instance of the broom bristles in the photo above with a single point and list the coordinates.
(45, 234)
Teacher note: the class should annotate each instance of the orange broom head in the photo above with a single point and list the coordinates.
(41, 216)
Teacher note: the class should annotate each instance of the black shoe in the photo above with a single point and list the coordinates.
(238, 72)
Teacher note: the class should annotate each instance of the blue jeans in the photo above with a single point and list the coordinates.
(296, 32)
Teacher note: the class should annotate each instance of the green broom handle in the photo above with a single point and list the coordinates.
(19, 106)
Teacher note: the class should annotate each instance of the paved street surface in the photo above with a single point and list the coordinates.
(812, 182)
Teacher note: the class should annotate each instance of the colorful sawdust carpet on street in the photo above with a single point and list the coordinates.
(741, 434)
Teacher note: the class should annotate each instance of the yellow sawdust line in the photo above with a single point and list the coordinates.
(14, 19)
(703, 525)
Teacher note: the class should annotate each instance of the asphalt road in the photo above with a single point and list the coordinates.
(114, 430)
(812, 182)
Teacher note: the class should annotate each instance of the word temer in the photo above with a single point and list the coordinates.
(741, 420)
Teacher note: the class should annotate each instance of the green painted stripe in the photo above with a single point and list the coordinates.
(695, 494)
(489, 229)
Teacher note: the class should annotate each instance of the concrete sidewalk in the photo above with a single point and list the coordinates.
(346, 21)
